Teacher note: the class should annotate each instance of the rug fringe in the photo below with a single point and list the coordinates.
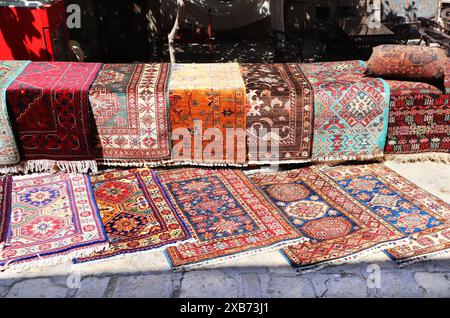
(347, 259)
(207, 164)
(11, 169)
(441, 157)
(422, 258)
(53, 166)
(224, 259)
(137, 163)
(338, 159)
(52, 259)
(122, 255)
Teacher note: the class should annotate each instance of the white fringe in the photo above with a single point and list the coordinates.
(53, 166)
(347, 259)
(137, 163)
(53, 259)
(206, 164)
(442, 157)
(422, 258)
(346, 158)
(11, 169)
(130, 253)
(277, 162)
(226, 258)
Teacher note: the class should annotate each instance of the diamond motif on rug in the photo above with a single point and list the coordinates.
(227, 215)
(53, 217)
(136, 213)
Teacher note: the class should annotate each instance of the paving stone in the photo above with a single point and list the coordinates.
(333, 286)
(399, 284)
(37, 288)
(213, 284)
(291, 287)
(92, 287)
(435, 284)
(143, 286)
(251, 286)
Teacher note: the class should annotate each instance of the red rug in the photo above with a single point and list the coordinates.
(135, 213)
(49, 108)
(225, 213)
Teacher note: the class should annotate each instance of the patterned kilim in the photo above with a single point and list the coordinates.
(53, 218)
(345, 211)
(427, 245)
(49, 107)
(419, 118)
(280, 101)
(5, 207)
(351, 111)
(225, 213)
(206, 100)
(135, 213)
(130, 107)
(9, 153)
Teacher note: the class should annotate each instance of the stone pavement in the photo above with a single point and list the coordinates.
(266, 274)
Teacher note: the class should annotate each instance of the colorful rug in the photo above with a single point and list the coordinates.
(419, 120)
(425, 246)
(130, 106)
(9, 153)
(350, 111)
(53, 219)
(225, 213)
(136, 214)
(345, 211)
(49, 108)
(280, 101)
(206, 100)
(5, 207)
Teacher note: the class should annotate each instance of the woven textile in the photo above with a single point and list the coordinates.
(419, 120)
(130, 107)
(135, 213)
(407, 62)
(344, 211)
(49, 107)
(350, 111)
(53, 218)
(9, 153)
(206, 100)
(225, 213)
(5, 207)
(427, 245)
(278, 97)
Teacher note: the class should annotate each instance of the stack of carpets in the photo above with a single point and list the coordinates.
(131, 114)
(419, 121)
(49, 108)
(48, 219)
(9, 154)
(207, 114)
(350, 111)
(280, 108)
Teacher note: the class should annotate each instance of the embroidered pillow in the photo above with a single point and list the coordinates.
(408, 62)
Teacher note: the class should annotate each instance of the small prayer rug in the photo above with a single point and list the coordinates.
(280, 101)
(206, 100)
(350, 111)
(9, 153)
(135, 212)
(5, 207)
(419, 119)
(225, 213)
(131, 112)
(49, 108)
(53, 219)
(345, 211)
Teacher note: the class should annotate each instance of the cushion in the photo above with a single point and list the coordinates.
(408, 62)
